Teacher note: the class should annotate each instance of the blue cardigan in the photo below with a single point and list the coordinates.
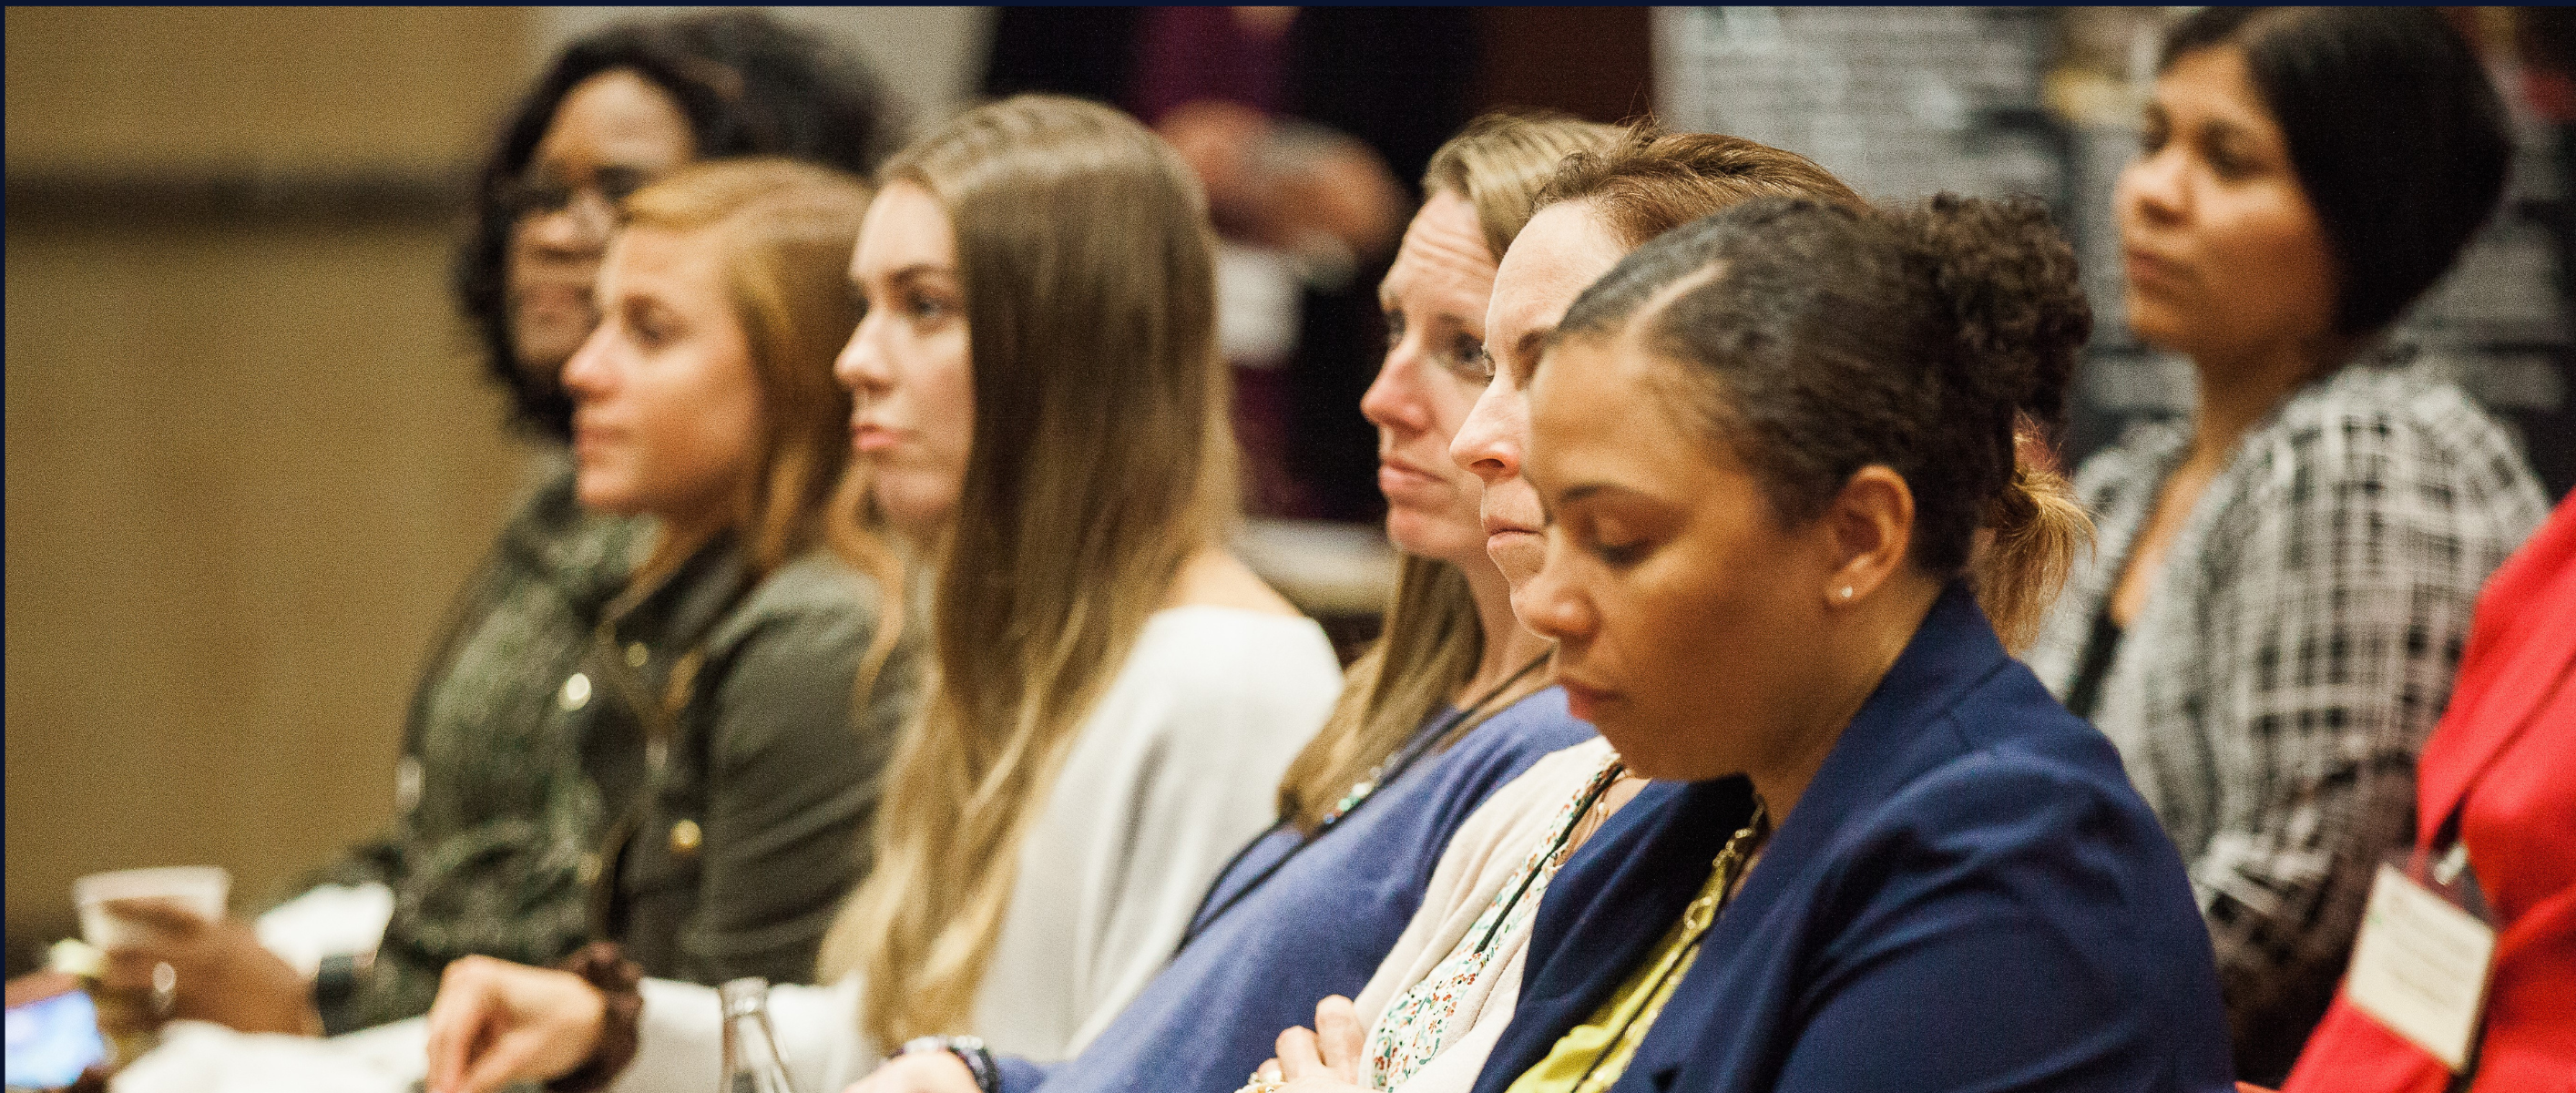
(1969, 896)
(1318, 926)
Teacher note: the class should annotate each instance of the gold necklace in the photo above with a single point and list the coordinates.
(1727, 871)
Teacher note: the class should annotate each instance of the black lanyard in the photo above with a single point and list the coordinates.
(1423, 744)
(1591, 799)
(1733, 861)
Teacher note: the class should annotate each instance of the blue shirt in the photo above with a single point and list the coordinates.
(1317, 927)
(1968, 896)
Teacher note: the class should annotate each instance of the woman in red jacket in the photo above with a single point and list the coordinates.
(2503, 763)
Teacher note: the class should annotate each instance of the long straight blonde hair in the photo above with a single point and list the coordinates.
(1433, 640)
(1102, 460)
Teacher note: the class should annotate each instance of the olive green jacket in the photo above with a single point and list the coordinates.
(684, 768)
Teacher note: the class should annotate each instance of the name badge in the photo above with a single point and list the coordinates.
(2420, 966)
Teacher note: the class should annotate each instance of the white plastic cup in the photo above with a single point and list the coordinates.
(204, 889)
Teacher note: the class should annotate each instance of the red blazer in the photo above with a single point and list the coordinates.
(2505, 757)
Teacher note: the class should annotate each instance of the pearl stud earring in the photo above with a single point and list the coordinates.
(1846, 593)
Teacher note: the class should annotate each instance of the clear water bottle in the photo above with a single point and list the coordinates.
(751, 1061)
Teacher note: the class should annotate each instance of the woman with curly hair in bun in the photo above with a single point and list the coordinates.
(1768, 444)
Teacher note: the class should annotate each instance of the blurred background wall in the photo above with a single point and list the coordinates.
(249, 456)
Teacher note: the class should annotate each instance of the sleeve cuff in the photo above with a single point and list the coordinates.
(1020, 1075)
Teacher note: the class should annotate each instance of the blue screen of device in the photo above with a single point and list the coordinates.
(52, 1040)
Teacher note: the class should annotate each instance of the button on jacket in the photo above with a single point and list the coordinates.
(738, 780)
(524, 756)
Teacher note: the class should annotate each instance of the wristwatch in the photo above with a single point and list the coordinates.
(969, 1050)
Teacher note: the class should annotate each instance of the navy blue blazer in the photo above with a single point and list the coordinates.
(1969, 896)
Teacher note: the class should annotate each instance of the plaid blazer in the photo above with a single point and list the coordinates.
(2297, 645)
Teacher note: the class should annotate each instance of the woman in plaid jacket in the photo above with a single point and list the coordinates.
(2282, 585)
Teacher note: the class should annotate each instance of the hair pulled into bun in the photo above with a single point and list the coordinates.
(2009, 281)
(2022, 320)
(1937, 340)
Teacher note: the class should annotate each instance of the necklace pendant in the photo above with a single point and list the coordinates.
(1359, 792)
(1697, 917)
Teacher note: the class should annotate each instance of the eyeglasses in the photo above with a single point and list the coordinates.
(541, 193)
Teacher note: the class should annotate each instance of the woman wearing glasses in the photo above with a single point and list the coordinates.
(509, 787)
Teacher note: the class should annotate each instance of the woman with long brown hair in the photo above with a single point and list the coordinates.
(1450, 705)
(1041, 420)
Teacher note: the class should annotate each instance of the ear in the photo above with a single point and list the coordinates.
(1869, 528)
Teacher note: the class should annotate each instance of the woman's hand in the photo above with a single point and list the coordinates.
(219, 971)
(919, 1072)
(495, 1023)
(1326, 1060)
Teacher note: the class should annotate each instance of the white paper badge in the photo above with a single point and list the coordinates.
(2420, 966)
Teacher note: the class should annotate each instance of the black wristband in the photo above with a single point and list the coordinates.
(335, 984)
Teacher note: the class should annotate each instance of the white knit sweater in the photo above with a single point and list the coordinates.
(1175, 769)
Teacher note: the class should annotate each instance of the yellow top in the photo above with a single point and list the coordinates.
(1592, 1055)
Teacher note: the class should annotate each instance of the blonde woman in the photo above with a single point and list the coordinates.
(495, 803)
(714, 699)
(1041, 416)
(736, 778)
(1449, 986)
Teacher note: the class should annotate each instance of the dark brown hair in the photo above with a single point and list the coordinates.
(1816, 339)
(2397, 138)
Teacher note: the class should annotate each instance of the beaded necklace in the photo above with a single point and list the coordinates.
(1416, 1024)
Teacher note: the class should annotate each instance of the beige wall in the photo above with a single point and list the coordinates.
(247, 460)
(275, 88)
